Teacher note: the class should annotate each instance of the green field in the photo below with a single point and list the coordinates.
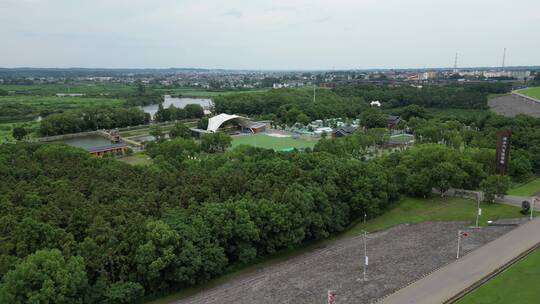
(518, 284)
(139, 159)
(408, 210)
(533, 92)
(40, 103)
(193, 92)
(270, 142)
(89, 88)
(528, 189)
(402, 138)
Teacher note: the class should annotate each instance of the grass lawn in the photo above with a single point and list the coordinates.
(402, 138)
(533, 92)
(140, 159)
(518, 284)
(270, 142)
(528, 189)
(408, 210)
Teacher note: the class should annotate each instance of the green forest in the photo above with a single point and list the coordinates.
(79, 229)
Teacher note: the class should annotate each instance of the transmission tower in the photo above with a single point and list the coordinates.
(455, 64)
(503, 59)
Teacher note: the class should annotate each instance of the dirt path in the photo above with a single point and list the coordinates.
(512, 105)
(397, 257)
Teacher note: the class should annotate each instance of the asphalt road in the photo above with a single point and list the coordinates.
(516, 201)
(450, 280)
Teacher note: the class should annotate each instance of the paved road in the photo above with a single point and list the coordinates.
(450, 280)
(516, 201)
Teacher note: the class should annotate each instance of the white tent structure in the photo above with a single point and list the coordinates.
(215, 122)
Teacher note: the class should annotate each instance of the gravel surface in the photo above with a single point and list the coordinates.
(512, 105)
(397, 257)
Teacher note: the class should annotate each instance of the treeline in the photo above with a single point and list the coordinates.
(93, 118)
(174, 113)
(288, 106)
(117, 231)
(143, 99)
(466, 96)
(454, 131)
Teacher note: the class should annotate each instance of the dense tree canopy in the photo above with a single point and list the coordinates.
(463, 96)
(89, 119)
(173, 224)
(290, 106)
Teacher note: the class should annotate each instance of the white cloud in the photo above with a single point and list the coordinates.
(267, 34)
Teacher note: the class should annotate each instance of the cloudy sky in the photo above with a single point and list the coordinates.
(260, 34)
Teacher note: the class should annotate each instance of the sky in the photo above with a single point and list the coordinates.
(260, 34)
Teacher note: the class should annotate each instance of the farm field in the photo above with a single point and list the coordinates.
(533, 92)
(518, 284)
(191, 92)
(528, 189)
(408, 220)
(59, 103)
(270, 142)
(90, 88)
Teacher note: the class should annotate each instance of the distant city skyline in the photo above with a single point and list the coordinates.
(268, 35)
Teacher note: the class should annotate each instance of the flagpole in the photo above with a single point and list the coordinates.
(458, 241)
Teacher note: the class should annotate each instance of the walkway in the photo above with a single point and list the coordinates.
(456, 277)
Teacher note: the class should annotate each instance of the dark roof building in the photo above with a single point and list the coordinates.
(393, 121)
(343, 131)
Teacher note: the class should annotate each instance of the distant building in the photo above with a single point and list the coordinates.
(393, 121)
(343, 131)
(114, 148)
(69, 94)
(375, 103)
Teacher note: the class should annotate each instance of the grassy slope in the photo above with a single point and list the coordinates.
(408, 210)
(269, 142)
(532, 92)
(528, 189)
(519, 284)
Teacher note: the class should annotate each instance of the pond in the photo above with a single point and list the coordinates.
(86, 142)
(179, 102)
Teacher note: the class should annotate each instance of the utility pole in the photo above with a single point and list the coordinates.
(314, 87)
(458, 243)
(365, 218)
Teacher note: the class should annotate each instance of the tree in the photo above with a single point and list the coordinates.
(215, 142)
(203, 123)
(157, 132)
(45, 277)
(180, 130)
(303, 119)
(193, 111)
(19, 133)
(495, 186)
(124, 292)
(373, 118)
(3, 92)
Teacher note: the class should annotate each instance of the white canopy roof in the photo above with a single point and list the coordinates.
(215, 122)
